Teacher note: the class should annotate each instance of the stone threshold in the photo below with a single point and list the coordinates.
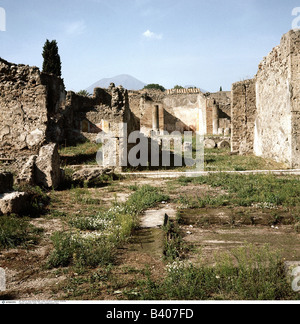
(207, 173)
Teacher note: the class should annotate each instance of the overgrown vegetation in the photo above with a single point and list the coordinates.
(81, 153)
(174, 247)
(92, 241)
(251, 274)
(221, 160)
(246, 190)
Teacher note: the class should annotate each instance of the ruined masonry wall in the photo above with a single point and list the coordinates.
(243, 114)
(277, 132)
(29, 101)
(185, 112)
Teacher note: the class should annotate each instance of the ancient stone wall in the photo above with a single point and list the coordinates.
(266, 110)
(243, 116)
(183, 91)
(185, 112)
(102, 112)
(278, 96)
(30, 104)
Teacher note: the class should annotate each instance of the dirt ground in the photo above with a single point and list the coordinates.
(205, 231)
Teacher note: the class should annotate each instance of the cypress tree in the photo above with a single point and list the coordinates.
(52, 62)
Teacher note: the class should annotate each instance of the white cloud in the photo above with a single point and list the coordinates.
(150, 35)
(75, 28)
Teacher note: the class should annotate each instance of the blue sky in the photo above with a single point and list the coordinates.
(209, 43)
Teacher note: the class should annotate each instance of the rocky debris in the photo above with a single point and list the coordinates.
(90, 176)
(210, 144)
(6, 182)
(13, 202)
(48, 173)
(43, 169)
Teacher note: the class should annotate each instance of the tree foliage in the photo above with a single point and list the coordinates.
(84, 93)
(155, 87)
(52, 62)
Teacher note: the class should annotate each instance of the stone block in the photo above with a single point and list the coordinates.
(210, 144)
(48, 172)
(13, 202)
(27, 175)
(224, 144)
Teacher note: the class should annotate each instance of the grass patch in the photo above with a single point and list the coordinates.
(249, 273)
(248, 190)
(92, 241)
(15, 232)
(221, 160)
(174, 247)
(81, 153)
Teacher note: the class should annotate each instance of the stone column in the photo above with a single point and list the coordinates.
(215, 120)
(155, 118)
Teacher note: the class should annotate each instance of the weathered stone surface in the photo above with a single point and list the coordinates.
(276, 133)
(13, 203)
(6, 182)
(29, 104)
(90, 175)
(266, 110)
(227, 132)
(221, 131)
(224, 144)
(27, 175)
(210, 144)
(243, 116)
(48, 173)
(35, 137)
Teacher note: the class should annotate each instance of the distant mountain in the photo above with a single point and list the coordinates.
(127, 81)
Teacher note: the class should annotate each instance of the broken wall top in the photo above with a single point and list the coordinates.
(29, 100)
